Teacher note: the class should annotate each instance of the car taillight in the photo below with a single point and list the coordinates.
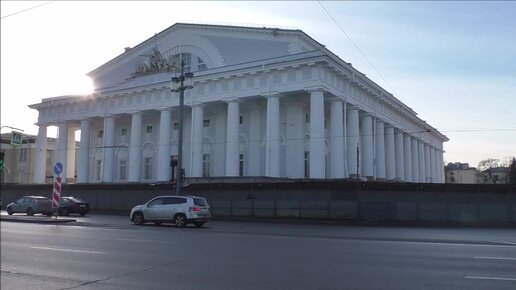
(195, 208)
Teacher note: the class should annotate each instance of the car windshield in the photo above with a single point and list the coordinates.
(75, 199)
(199, 201)
(40, 199)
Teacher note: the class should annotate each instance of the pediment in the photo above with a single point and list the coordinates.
(202, 47)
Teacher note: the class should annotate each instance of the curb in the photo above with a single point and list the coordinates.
(38, 220)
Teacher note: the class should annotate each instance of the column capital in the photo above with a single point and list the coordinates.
(198, 104)
(340, 99)
(314, 89)
(164, 109)
(135, 113)
(232, 100)
(273, 94)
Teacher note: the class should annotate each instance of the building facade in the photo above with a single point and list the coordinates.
(266, 102)
(19, 160)
(461, 173)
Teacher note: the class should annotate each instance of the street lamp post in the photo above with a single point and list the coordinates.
(179, 84)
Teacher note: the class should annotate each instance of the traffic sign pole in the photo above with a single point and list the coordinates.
(56, 193)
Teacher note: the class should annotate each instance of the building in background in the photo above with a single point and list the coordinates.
(266, 102)
(495, 175)
(460, 173)
(19, 159)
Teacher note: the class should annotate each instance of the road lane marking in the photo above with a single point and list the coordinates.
(490, 278)
(67, 250)
(142, 240)
(496, 258)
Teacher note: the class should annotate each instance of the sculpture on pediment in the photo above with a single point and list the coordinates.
(155, 63)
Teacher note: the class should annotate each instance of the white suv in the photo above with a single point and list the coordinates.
(180, 210)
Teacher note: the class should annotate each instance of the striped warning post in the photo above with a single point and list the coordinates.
(57, 192)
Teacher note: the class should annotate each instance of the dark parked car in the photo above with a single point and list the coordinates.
(70, 204)
(31, 205)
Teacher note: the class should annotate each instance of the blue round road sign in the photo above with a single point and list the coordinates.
(58, 168)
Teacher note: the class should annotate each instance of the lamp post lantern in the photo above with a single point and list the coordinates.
(178, 85)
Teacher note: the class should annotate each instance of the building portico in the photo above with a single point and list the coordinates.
(301, 112)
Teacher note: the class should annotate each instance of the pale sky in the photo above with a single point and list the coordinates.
(454, 63)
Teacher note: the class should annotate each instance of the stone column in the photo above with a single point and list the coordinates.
(432, 165)
(390, 155)
(254, 161)
(61, 150)
(71, 153)
(337, 140)
(233, 139)
(415, 160)
(407, 149)
(83, 169)
(165, 120)
(135, 149)
(197, 139)
(317, 136)
(272, 145)
(352, 141)
(220, 145)
(400, 161)
(441, 169)
(41, 155)
(380, 150)
(109, 149)
(428, 174)
(367, 149)
(295, 140)
(422, 163)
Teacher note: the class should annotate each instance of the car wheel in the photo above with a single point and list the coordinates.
(158, 223)
(64, 211)
(30, 212)
(82, 213)
(199, 224)
(9, 211)
(180, 220)
(138, 218)
(49, 214)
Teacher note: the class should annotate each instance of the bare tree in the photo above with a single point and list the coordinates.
(488, 167)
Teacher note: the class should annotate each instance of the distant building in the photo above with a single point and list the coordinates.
(496, 175)
(460, 173)
(19, 160)
(265, 102)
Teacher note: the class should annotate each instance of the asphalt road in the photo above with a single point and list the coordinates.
(107, 252)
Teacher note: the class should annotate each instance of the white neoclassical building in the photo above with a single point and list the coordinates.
(266, 102)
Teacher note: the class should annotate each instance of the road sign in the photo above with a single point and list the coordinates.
(57, 192)
(58, 168)
(16, 138)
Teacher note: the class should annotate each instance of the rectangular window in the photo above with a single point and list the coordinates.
(148, 129)
(50, 153)
(241, 169)
(307, 118)
(148, 168)
(206, 123)
(206, 165)
(200, 64)
(124, 131)
(101, 134)
(23, 154)
(241, 120)
(176, 126)
(99, 170)
(123, 169)
(307, 164)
